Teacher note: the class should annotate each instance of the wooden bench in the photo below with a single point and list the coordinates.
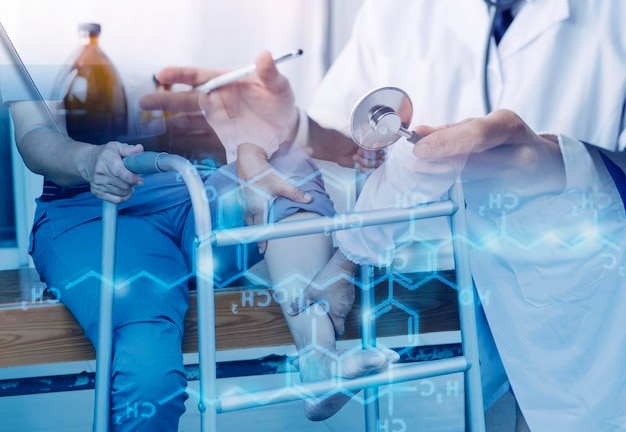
(36, 329)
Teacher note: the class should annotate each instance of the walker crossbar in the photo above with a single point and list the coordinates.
(210, 404)
(327, 224)
(475, 417)
(395, 374)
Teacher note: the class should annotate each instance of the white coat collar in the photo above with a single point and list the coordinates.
(533, 19)
(469, 19)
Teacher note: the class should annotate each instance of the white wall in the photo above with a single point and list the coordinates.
(141, 36)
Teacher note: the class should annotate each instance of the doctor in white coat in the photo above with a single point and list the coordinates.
(546, 220)
(548, 233)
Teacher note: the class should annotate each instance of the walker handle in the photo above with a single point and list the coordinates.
(144, 163)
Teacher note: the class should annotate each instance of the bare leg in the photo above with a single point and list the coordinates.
(292, 264)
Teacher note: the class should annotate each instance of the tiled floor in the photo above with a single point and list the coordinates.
(434, 404)
(430, 404)
(411, 407)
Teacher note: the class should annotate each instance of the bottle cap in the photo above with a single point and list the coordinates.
(90, 27)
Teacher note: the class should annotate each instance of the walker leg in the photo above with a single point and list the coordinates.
(151, 162)
(475, 416)
(368, 340)
(105, 321)
(206, 342)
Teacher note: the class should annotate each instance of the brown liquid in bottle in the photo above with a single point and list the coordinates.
(95, 102)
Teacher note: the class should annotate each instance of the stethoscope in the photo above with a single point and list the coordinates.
(382, 116)
(494, 7)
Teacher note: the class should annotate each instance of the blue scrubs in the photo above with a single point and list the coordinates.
(154, 252)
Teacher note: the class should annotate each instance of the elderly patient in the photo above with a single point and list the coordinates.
(156, 240)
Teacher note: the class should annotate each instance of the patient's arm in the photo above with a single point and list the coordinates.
(47, 150)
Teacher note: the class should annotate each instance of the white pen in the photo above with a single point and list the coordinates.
(238, 74)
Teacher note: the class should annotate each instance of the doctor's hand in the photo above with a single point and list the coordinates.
(368, 160)
(500, 146)
(261, 185)
(259, 108)
(107, 175)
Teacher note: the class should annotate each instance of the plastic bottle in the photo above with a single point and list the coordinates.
(96, 109)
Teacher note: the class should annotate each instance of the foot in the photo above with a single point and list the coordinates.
(320, 366)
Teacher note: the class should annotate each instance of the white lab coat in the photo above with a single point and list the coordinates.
(553, 269)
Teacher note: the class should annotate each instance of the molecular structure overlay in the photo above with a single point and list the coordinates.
(417, 262)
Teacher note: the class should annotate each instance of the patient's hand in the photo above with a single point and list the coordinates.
(333, 286)
(108, 177)
(262, 184)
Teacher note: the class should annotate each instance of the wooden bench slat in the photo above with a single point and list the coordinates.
(40, 331)
(18, 286)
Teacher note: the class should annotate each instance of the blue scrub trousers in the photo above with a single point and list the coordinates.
(154, 253)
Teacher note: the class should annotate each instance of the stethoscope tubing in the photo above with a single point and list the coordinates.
(494, 7)
(501, 4)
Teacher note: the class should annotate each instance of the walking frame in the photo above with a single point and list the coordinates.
(210, 403)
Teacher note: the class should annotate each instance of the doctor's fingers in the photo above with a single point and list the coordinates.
(192, 121)
(531, 168)
(444, 167)
(370, 159)
(452, 140)
(525, 155)
(425, 130)
(265, 69)
(268, 73)
(474, 135)
(170, 101)
(186, 75)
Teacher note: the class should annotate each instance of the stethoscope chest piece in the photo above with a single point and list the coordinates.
(381, 117)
